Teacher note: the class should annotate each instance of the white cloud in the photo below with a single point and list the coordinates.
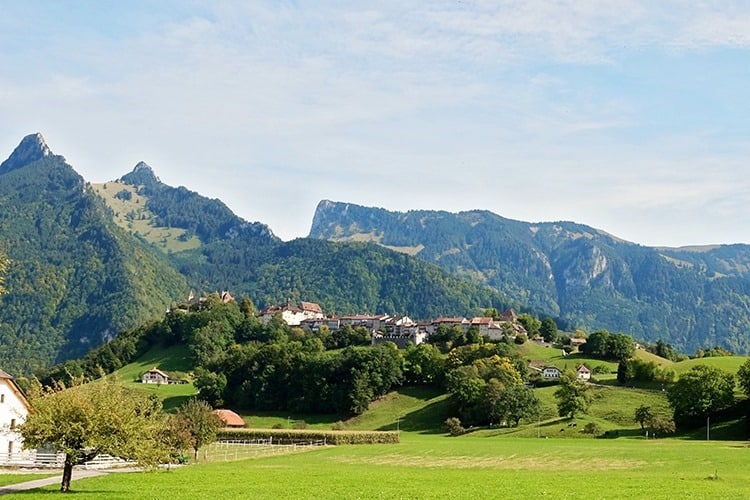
(535, 110)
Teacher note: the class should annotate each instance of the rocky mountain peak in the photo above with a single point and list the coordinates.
(142, 175)
(32, 148)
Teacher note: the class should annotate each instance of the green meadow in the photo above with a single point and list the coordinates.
(546, 458)
(435, 466)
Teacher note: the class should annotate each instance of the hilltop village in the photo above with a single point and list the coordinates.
(401, 330)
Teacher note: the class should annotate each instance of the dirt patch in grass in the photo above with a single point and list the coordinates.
(510, 462)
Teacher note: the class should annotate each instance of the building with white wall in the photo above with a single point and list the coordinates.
(13, 411)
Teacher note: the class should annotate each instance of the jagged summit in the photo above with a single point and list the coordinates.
(142, 175)
(32, 148)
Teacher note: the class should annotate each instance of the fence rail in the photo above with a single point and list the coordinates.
(52, 460)
(237, 449)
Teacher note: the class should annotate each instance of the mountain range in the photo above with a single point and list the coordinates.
(86, 261)
(691, 297)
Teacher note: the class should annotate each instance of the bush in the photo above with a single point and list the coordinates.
(454, 426)
(300, 424)
(592, 428)
(338, 426)
(521, 338)
(600, 370)
(661, 426)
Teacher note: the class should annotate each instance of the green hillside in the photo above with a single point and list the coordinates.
(74, 278)
(727, 363)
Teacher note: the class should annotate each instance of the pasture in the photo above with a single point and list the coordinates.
(436, 466)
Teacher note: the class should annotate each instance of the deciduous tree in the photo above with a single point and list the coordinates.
(698, 393)
(200, 423)
(573, 396)
(743, 377)
(643, 415)
(86, 420)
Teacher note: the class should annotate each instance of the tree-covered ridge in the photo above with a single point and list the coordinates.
(74, 279)
(346, 278)
(587, 278)
(208, 219)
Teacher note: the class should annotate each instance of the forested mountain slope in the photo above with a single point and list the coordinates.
(248, 260)
(74, 279)
(691, 297)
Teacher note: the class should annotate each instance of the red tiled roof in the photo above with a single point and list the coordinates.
(230, 418)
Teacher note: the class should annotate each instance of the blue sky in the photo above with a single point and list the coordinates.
(626, 116)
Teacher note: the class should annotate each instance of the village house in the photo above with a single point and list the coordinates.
(462, 323)
(484, 324)
(551, 373)
(583, 373)
(14, 408)
(155, 376)
(293, 315)
(373, 323)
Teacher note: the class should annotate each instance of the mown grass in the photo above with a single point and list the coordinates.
(6, 479)
(430, 466)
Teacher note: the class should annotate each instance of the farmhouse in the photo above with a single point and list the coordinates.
(583, 373)
(13, 411)
(551, 372)
(155, 376)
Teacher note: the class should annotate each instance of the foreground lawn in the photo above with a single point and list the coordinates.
(6, 479)
(435, 466)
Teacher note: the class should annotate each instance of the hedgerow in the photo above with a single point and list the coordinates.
(289, 436)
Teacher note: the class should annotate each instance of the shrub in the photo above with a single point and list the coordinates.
(521, 338)
(592, 428)
(338, 426)
(454, 426)
(661, 426)
(300, 424)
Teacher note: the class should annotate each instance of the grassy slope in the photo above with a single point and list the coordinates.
(727, 363)
(168, 359)
(133, 216)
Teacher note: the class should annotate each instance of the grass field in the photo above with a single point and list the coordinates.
(168, 359)
(6, 479)
(432, 466)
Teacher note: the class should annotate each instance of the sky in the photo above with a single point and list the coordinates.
(629, 116)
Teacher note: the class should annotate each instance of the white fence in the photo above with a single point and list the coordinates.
(34, 458)
(235, 449)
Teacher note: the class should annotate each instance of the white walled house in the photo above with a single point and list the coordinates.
(155, 376)
(13, 411)
(551, 372)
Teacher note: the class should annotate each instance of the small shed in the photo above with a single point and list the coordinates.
(584, 373)
(230, 418)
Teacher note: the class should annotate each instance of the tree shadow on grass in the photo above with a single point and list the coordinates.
(429, 419)
(173, 402)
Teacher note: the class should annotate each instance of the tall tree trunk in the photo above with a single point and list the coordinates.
(67, 475)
